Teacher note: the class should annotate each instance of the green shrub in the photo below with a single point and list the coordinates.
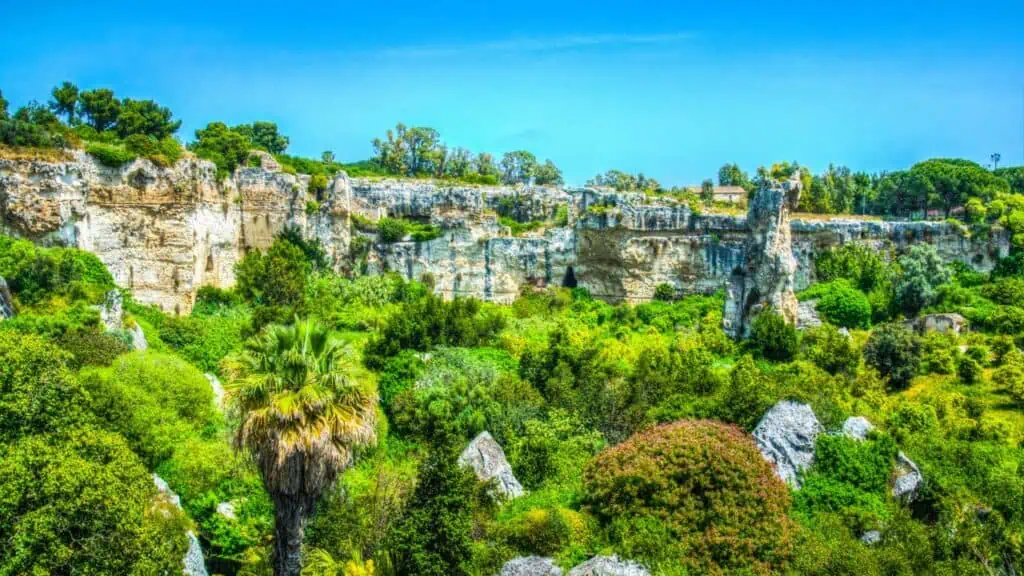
(841, 304)
(89, 347)
(895, 352)
(38, 394)
(717, 496)
(110, 155)
(863, 266)
(391, 230)
(81, 502)
(664, 292)
(773, 337)
(830, 350)
(969, 370)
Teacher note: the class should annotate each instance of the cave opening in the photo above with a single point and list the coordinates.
(569, 281)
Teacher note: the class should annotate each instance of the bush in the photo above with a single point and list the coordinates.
(89, 347)
(895, 352)
(665, 292)
(719, 499)
(110, 155)
(969, 370)
(163, 153)
(391, 230)
(830, 350)
(773, 337)
(841, 304)
(38, 394)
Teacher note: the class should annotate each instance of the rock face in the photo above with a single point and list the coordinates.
(943, 323)
(785, 436)
(871, 537)
(487, 460)
(530, 566)
(609, 566)
(218, 389)
(857, 427)
(193, 563)
(164, 232)
(907, 479)
(6, 301)
(807, 315)
(767, 277)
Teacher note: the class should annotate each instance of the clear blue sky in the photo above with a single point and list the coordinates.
(672, 89)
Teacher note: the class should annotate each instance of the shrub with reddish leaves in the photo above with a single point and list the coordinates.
(720, 503)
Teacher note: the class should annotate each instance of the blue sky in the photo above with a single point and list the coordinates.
(671, 89)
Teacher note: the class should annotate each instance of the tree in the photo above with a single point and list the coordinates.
(65, 101)
(895, 352)
(221, 145)
(390, 154)
(518, 167)
(484, 165)
(922, 272)
(3, 106)
(327, 157)
(547, 174)
(434, 538)
(302, 419)
(100, 108)
(996, 157)
(731, 175)
(459, 163)
(145, 117)
(707, 192)
(665, 292)
(274, 282)
(264, 135)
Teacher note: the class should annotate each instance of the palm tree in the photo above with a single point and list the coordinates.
(302, 419)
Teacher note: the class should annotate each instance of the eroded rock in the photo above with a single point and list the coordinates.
(6, 301)
(871, 537)
(193, 563)
(218, 389)
(227, 510)
(785, 436)
(609, 566)
(487, 460)
(857, 427)
(807, 315)
(530, 566)
(907, 479)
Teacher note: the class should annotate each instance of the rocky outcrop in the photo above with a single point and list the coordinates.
(609, 566)
(164, 232)
(487, 460)
(807, 315)
(907, 479)
(193, 563)
(218, 389)
(767, 278)
(857, 427)
(785, 436)
(530, 566)
(6, 301)
(942, 323)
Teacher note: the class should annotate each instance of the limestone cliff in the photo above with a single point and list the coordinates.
(164, 232)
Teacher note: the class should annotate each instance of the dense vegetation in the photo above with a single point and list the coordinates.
(625, 424)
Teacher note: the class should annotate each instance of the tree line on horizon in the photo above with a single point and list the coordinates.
(117, 130)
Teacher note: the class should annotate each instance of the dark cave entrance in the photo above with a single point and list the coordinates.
(569, 281)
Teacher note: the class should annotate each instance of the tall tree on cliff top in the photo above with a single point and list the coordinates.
(100, 108)
(3, 106)
(65, 101)
(264, 135)
(302, 419)
(145, 117)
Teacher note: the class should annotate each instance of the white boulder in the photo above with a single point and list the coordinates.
(485, 456)
(609, 566)
(785, 436)
(908, 479)
(530, 566)
(857, 427)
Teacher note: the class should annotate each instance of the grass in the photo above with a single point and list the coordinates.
(31, 153)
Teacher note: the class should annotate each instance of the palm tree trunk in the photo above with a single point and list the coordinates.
(291, 511)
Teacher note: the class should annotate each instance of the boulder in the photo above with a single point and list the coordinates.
(807, 315)
(266, 160)
(609, 566)
(950, 322)
(857, 427)
(871, 537)
(530, 566)
(6, 301)
(138, 338)
(785, 436)
(193, 563)
(227, 510)
(218, 389)
(112, 310)
(907, 479)
(485, 456)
